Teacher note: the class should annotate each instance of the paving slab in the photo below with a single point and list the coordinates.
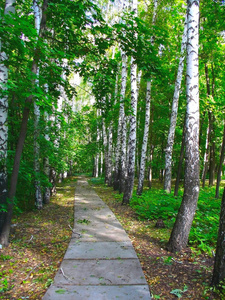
(130, 292)
(96, 214)
(100, 262)
(100, 272)
(100, 233)
(99, 250)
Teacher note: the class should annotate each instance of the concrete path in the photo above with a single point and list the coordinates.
(100, 262)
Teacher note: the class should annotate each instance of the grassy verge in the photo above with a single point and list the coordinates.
(39, 240)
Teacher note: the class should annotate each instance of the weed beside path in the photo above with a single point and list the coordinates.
(186, 275)
(39, 240)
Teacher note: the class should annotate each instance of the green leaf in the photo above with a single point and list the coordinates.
(177, 292)
(60, 291)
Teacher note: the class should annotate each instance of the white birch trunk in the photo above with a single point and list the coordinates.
(147, 119)
(121, 125)
(129, 184)
(37, 183)
(206, 158)
(9, 8)
(145, 140)
(173, 118)
(52, 176)
(38, 194)
(132, 136)
(138, 124)
(114, 145)
(47, 190)
(138, 82)
(96, 171)
(150, 167)
(101, 165)
(123, 167)
(110, 148)
(179, 236)
(106, 157)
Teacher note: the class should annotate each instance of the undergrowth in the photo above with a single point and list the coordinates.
(156, 204)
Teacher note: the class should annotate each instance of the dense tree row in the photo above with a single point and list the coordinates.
(144, 70)
(40, 43)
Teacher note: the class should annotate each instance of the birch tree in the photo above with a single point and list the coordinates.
(47, 191)
(123, 167)
(105, 144)
(121, 131)
(145, 140)
(179, 236)
(147, 120)
(120, 159)
(37, 184)
(9, 8)
(96, 169)
(173, 118)
(110, 149)
(129, 183)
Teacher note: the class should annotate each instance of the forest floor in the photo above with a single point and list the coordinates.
(40, 238)
(38, 243)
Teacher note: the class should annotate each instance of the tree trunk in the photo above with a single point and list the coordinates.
(150, 167)
(110, 146)
(180, 162)
(96, 167)
(47, 191)
(101, 163)
(37, 182)
(220, 165)
(121, 125)
(138, 124)
(9, 8)
(129, 183)
(123, 165)
(179, 236)
(173, 118)
(106, 157)
(211, 139)
(53, 181)
(219, 265)
(211, 149)
(147, 120)
(206, 159)
(145, 140)
(96, 171)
